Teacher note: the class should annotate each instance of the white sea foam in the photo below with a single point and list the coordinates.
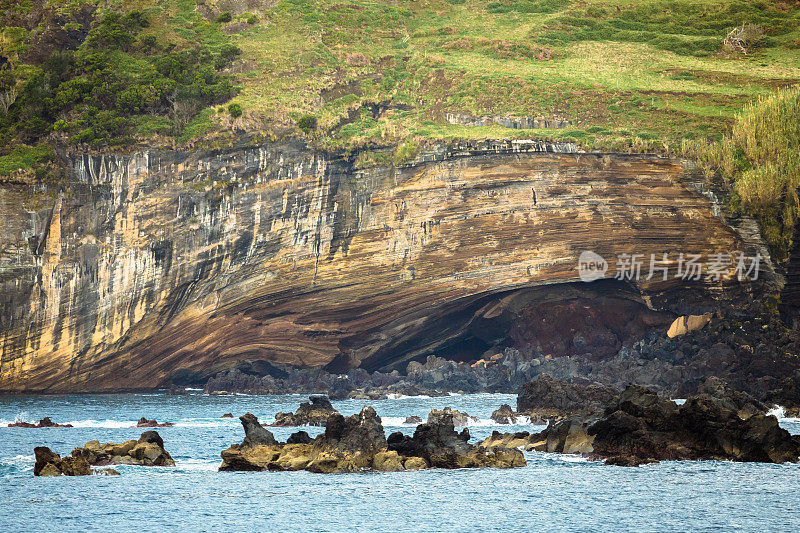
(572, 458)
(206, 422)
(22, 462)
(196, 465)
(395, 396)
(90, 423)
(679, 401)
(399, 421)
(777, 411)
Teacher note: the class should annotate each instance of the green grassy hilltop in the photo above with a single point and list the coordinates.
(391, 76)
(623, 73)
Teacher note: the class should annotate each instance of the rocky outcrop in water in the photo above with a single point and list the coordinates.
(43, 423)
(545, 398)
(638, 426)
(438, 444)
(49, 463)
(313, 413)
(459, 418)
(148, 450)
(358, 442)
(145, 423)
(504, 415)
(347, 445)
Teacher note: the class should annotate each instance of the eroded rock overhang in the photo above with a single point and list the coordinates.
(161, 261)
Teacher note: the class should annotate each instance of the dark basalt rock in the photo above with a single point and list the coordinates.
(255, 433)
(628, 460)
(315, 413)
(147, 451)
(145, 423)
(362, 432)
(566, 436)
(300, 437)
(546, 398)
(49, 463)
(43, 423)
(413, 419)
(441, 447)
(227, 415)
(640, 424)
(788, 393)
(504, 415)
(741, 402)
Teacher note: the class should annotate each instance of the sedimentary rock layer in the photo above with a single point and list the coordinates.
(158, 262)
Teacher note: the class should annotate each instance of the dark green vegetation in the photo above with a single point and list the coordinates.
(97, 77)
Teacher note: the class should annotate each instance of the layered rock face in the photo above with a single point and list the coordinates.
(155, 265)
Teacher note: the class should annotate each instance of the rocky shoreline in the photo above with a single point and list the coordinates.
(755, 355)
(634, 427)
(638, 426)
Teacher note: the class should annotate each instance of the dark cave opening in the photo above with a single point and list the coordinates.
(590, 320)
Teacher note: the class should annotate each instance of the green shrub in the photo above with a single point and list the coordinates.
(235, 110)
(148, 42)
(25, 157)
(307, 123)
(224, 17)
(94, 94)
(762, 159)
(252, 19)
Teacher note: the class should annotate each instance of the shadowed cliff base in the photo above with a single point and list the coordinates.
(754, 354)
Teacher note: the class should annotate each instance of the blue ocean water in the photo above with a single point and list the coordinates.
(556, 492)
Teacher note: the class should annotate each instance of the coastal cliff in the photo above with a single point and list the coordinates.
(156, 263)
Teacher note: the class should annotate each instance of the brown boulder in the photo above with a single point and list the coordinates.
(147, 451)
(458, 418)
(49, 463)
(504, 415)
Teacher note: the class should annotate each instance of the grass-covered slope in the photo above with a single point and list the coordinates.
(761, 158)
(622, 72)
(625, 74)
